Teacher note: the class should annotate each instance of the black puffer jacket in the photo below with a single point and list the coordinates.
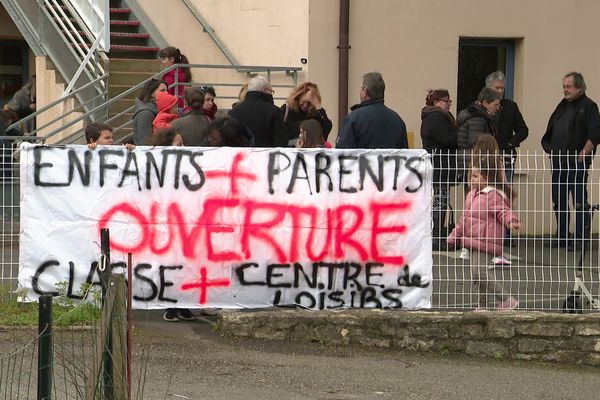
(472, 122)
(258, 113)
(439, 133)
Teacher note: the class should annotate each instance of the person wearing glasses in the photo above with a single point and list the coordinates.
(372, 125)
(258, 113)
(439, 133)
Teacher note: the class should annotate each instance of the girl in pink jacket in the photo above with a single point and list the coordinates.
(481, 228)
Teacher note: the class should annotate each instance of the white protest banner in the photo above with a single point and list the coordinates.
(231, 227)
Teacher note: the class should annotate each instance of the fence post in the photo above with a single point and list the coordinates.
(107, 370)
(45, 348)
(118, 329)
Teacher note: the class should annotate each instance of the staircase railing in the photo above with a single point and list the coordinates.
(75, 51)
(96, 16)
(118, 130)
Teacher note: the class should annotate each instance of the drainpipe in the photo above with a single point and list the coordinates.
(343, 48)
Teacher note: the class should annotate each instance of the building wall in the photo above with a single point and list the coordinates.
(257, 32)
(415, 43)
(8, 29)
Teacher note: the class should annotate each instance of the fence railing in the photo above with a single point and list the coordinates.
(532, 265)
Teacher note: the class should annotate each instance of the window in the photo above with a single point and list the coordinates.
(477, 58)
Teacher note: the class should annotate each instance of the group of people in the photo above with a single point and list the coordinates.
(480, 145)
(478, 148)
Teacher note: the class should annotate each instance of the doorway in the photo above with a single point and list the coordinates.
(477, 58)
(14, 68)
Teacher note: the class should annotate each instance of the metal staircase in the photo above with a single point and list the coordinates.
(84, 40)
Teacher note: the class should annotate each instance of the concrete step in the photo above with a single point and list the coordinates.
(119, 14)
(124, 26)
(121, 105)
(135, 65)
(130, 78)
(123, 133)
(115, 90)
(115, 121)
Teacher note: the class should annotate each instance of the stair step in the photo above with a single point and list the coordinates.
(130, 78)
(120, 10)
(124, 23)
(115, 90)
(134, 65)
(129, 35)
(121, 105)
(120, 120)
(122, 47)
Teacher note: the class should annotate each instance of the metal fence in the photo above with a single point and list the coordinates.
(537, 271)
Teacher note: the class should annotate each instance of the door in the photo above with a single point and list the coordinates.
(477, 58)
(14, 68)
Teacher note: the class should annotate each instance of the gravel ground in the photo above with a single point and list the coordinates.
(191, 361)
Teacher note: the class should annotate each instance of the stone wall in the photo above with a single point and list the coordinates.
(561, 338)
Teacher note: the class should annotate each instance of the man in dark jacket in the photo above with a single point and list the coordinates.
(372, 125)
(258, 113)
(571, 138)
(511, 126)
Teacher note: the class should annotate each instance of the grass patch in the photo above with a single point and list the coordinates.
(64, 311)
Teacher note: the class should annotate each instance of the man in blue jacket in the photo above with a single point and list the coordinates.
(372, 125)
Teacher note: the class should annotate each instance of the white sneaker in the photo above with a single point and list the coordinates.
(499, 262)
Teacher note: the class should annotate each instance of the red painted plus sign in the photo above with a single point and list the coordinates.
(204, 283)
(234, 175)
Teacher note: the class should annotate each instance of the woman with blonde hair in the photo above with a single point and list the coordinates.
(304, 102)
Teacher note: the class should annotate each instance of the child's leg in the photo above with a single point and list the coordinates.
(479, 275)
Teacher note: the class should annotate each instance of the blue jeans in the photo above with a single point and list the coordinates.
(569, 180)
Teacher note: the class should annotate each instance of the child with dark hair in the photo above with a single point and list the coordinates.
(145, 110)
(98, 133)
(210, 107)
(167, 111)
(311, 135)
(226, 132)
(191, 125)
(168, 57)
(166, 137)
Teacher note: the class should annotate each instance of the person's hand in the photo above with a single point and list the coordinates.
(587, 150)
(314, 100)
(92, 146)
(129, 146)
(515, 225)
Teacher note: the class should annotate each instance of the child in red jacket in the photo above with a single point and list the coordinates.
(480, 229)
(167, 111)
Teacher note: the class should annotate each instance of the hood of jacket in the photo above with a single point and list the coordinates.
(367, 103)
(427, 110)
(164, 101)
(474, 110)
(257, 95)
(141, 106)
